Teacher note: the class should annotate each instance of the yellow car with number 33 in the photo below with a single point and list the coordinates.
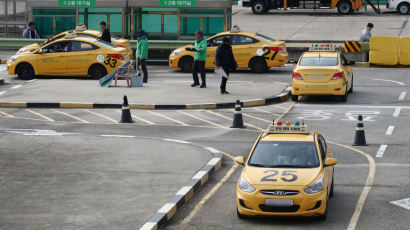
(322, 72)
(289, 172)
(251, 50)
(69, 56)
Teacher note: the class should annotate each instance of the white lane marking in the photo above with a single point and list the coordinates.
(256, 118)
(213, 150)
(404, 203)
(101, 115)
(396, 112)
(32, 80)
(169, 118)
(402, 96)
(2, 92)
(230, 119)
(178, 141)
(381, 150)
(397, 82)
(266, 111)
(6, 114)
(138, 118)
(16, 86)
(200, 119)
(72, 116)
(40, 115)
(122, 136)
(389, 130)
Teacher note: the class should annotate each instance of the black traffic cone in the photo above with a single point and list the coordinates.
(237, 117)
(360, 138)
(126, 113)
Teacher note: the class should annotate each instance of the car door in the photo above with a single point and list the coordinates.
(81, 56)
(324, 154)
(51, 59)
(348, 70)
(211, 50)
(243, 49)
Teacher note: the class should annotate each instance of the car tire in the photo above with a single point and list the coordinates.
(351, 88)
(240, 216)
(185, 64)
(332, 188)
(344, 7)
(403, 8)
(294, 97)
(259, 7)
(258, 65)
(343, 98)
(97, 71)
(25, 71)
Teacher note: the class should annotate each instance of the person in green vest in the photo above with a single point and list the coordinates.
(142, 53)
(199, 59)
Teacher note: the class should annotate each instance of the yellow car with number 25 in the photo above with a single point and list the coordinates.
(70, 56)
(251, 50)
(289, 172)
(322, 73)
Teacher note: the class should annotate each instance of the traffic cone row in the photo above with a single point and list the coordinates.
(359, 137)
(126, 113)
(237, 117)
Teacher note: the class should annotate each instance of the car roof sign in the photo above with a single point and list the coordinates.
(294, 129)
(323, 47)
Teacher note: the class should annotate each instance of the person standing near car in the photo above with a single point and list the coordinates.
(142, 53)
(199, 59)
(366, 33)
(224, 59)
(106, 35)
(31, 31)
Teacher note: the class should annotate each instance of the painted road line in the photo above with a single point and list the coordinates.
(101, 115)
(389, 130)
(266, 111)
(404, 203)
(256, 118)
(230, 119)
(71, 116)
(402, 96)
(200, 119)
(397, 82)
(396, 112)
(32, 80)
(6, 114)
(40, 115)
(286, 111)
(168, 118)
(16, 86)
(138, 118)
(121, 136)
(2, 92)
(381, 150)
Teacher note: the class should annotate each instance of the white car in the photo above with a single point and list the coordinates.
(403, 6)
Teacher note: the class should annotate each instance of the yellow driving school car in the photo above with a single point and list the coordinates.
(322, 71)
(251, 50)
(81, 31)
(69, 56)
(289, 172)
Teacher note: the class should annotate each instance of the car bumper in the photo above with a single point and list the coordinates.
(173, 62)
(335, 87)
(280, 60)
(253, 204)
(11, 68)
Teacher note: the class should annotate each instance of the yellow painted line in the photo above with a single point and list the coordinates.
(254, 102)
(256, 118)
(40, 115)
(200, 119)
(266, 111)
(286, 111)
(135, 106)
(71, 116)
(201, 106)
(138, 118)
(73, 105)
(13, 105)
(230, 119)
(101, 115)
(169, 118)
(366, 188)
(6, 114)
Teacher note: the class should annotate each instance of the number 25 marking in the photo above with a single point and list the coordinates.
(285, 173)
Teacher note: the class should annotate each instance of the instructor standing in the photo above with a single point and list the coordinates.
(199, 59)
(142, 53)
(106, 35)
(224, 59)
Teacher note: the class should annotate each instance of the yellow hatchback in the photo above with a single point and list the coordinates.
(289, 172)
(69, 56)
(251, 50)
(322, 73)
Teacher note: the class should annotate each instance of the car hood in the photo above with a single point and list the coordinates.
(30, 48)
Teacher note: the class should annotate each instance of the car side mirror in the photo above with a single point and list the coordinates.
(240, 160)
(330, 162)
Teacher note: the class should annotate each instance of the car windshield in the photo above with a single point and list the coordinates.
(263, 37)
(106, 44)
(284, 154)
(318, 61)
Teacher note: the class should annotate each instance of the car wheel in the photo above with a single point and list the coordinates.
(344, 7)
(351, 88)
(331, 188)
(294, 97)
(344, 97)
(185, 64)
(258, 65)
(240, 216)
(403, 8)
(97, 71)
(259, 7)
(25, 71)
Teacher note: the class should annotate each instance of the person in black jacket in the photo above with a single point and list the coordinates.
(106, 36)
(224, 59)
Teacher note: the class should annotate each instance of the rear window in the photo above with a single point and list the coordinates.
(105, 44)
(318, 61)
(265, 38)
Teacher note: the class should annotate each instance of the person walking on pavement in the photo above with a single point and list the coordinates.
(224, 59)
(31, 31)
(199, 59)
(106, 35)
(366, 33)
(142, 53)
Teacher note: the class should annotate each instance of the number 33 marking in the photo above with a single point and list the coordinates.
(109, 60)
(285, 173)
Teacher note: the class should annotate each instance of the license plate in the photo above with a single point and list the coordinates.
(279, 202)
(315, 86)
(317, 77)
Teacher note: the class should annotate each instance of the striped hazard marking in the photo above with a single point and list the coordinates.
(353, 46)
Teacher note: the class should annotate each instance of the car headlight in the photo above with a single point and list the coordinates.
(245, 186)
(13, 58)
(176, 52)
(315, 187)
